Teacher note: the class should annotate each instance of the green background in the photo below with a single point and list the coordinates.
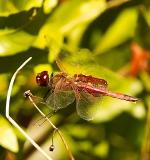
(92, 37)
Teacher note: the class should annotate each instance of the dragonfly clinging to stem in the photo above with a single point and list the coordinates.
(85, 89)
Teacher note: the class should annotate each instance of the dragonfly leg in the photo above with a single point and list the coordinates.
(29, 95)
(36, 99)
(49, 115)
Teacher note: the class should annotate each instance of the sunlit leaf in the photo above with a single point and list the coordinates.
(82, 13)
(146, 79)
(26, 5)
(51, 37)
(122, 29)
(6, 31)
(12, 7)
(110, 108)
(14, 42)
(42, 67)
(7, 8)
(138, 110)
(101, 150)
(83, 62)
(7, 137)
(77, 130)
(75, 36)
(49, 5)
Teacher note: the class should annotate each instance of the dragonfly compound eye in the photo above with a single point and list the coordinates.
(42, 79)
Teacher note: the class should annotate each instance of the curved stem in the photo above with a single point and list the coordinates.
(13, 121)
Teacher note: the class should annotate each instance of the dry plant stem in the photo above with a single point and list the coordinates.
(13, 121)
(29, 95)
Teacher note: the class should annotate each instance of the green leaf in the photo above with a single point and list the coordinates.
(146, 14)
(111, 108)
(102, 149)
(81, 12)
(53, 32)
(7, 136)
(27, 5)
(145, 77)
(14, 42)
(49, 5)
(84, 62)
(7, 8)
(121, 30)
(15, 6)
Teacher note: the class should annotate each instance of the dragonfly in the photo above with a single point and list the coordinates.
(86, 90)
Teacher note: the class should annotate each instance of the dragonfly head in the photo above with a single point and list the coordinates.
(42, 79)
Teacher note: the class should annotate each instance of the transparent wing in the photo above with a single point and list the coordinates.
(87, 105)
(60, 99)
(37, 100)
(61, 96)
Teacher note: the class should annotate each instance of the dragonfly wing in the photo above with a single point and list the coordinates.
(37, 100)
(87, 105)
(60, 99)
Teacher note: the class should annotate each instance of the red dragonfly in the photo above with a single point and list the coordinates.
(86, 90)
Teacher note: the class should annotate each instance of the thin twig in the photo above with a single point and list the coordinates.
(13, 121)
(29, 95)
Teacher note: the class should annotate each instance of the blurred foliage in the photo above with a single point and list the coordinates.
(93, 37)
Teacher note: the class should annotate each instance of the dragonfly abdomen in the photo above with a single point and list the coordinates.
(90, 89)
(97, 92)
(121, 96)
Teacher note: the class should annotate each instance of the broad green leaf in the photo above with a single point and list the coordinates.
(110, 108)
(75, 37)
(76, 130)
(14, 42)
(82, 13)
(146, 14)
(102, 149)
(84, 62)
(49, 5)
(8, 139)
(42, 67)
(75, 13)
(145, 77)
(121, 53)
(52, 38)
(121, 30)
(26, 5)
(12, 7)
(7, 8)
(6, 31)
